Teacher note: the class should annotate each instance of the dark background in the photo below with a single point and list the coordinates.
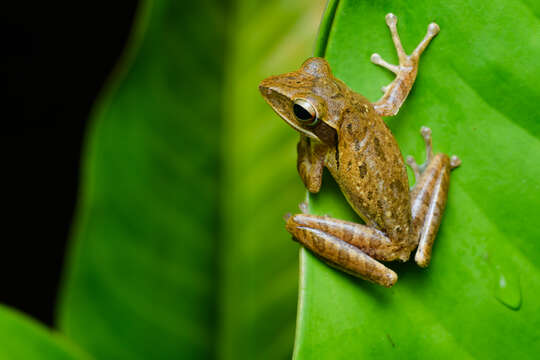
(54, 59)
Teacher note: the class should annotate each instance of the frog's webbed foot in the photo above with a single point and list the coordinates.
(418, 169)
(396, 92)
(310, 163)
(428, 197)
(347, 246)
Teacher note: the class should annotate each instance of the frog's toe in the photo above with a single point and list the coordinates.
(414, 166)
(433, 29)
(304, 207)
(411, 162)
(391, 19)
(426, 134)
(455, 161)
(378, 60)
(287, 216)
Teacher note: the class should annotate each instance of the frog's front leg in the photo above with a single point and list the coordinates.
(428, 197)
(396, 92)
(310, 163)
(348, 246)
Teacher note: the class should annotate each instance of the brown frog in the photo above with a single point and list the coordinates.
(344, 132)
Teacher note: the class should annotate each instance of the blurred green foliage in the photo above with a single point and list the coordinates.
(179, 250)
(141, 278)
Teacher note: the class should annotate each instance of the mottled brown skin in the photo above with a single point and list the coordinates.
(342, 131)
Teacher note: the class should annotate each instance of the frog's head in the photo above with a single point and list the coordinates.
(305, 99)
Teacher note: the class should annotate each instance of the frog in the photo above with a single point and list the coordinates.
(344, 132)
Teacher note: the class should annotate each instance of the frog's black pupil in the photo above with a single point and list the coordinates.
(301, 113)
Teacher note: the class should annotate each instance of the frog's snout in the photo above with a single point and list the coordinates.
(264, 86)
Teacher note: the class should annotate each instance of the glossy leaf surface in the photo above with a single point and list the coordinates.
(478, 90)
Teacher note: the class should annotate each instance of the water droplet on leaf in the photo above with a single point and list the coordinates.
(508, 290)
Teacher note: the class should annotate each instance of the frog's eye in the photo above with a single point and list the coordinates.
(305, 112)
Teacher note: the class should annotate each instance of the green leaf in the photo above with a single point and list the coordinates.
(477, 89)
(23, 338)
(179, 248)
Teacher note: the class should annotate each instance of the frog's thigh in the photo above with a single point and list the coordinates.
(340, 242)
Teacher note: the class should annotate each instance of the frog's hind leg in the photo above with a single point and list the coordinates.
(347, 246)
(396, 92)
(428, 197)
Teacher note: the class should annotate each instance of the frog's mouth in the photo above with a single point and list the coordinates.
(283, 106)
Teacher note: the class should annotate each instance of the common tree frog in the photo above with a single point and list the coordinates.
(344, 132)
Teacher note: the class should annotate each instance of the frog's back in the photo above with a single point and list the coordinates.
(370, 170)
